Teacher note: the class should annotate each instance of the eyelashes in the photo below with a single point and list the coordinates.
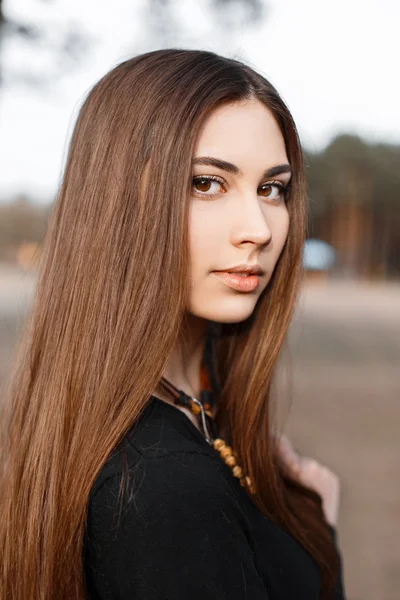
(207, 182)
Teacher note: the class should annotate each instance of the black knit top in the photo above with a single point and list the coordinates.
(187, 530)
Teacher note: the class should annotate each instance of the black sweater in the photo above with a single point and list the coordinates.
(189, 530)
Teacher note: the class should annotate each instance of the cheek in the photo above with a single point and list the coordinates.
(279, 221)
(200, 253)
(205, 232)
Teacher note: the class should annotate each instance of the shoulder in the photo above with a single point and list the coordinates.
(161, 441)
(163, 466)
(177, 483)
(179, 515)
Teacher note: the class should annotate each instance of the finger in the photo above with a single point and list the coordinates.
(290, 459)
(287, 448)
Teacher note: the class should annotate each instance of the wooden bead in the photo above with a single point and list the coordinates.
(195, 408)
(230, 460)
(250, 485)
(226, 451)
(218, 444)
(230, 457)
(237, 471)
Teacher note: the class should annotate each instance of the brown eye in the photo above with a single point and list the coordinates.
(278, 195)
(207, 186)
(265, 188)
(202, 184)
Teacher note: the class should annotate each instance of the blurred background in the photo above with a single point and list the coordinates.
(335, 66)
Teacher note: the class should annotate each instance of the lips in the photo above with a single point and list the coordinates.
(237, 281)
(243, 270)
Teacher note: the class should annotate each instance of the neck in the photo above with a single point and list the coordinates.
(184, 363)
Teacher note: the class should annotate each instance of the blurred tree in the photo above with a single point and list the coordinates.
(340, 173)
(354, 197)
(165, 25)
(21, 221)
(386, 208)
(66, 42)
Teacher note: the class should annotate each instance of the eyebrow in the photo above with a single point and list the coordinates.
(231, 168)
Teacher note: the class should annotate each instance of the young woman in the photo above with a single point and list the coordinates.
(139, 457)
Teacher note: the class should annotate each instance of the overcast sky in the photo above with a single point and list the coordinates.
(335, 65)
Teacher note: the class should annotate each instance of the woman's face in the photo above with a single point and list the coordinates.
(238, 213)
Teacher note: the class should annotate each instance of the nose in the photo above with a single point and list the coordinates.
(250, 223)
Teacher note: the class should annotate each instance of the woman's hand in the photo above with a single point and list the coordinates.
(313, 475)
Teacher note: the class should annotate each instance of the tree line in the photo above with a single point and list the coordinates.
(354, 205)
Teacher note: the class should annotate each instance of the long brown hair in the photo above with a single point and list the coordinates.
(82, 375)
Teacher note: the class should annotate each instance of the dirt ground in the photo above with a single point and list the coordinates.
(340, 375)
(345, 411)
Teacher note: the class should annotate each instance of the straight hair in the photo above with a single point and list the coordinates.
(105, 318)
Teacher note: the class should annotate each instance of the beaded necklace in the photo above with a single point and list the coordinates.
(203, 408)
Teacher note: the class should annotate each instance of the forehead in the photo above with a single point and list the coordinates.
(243, 133)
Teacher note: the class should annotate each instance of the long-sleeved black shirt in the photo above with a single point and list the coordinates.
(189, 530)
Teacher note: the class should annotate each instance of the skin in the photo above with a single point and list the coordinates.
(242, 218)
(230, 222)
(314, 475)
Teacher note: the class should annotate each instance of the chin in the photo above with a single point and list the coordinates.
(234, 311)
